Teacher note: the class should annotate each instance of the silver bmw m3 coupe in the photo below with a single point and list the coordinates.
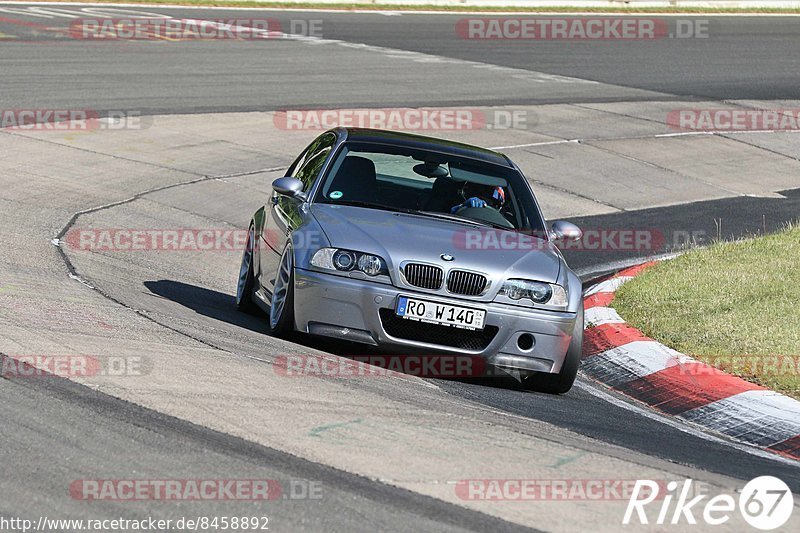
(397, 240)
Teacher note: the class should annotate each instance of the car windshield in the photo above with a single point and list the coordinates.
(432, 184)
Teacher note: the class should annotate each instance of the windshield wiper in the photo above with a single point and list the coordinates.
(471, 221)
(370, 205)
(431, 214)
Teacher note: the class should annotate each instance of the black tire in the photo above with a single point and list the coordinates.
(283, 327)
(562, 382)
(246, 285)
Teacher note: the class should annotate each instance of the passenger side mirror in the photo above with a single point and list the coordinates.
(565, 231)
(288, 186)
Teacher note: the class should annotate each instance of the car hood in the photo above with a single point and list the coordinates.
(399, 237)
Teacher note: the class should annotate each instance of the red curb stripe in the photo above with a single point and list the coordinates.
(635, 270)
(24, 23)
(788, 448)
(599, 299)
(685, 386)
(607, 336)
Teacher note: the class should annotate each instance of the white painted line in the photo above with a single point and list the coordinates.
(344, 9)
(722, 133)
(718, 133)
(682, 134)
(528, 145)
(774, 195)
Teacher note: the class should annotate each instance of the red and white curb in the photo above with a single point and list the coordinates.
(621, 357)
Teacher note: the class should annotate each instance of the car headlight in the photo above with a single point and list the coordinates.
(537, 292)
(348, 260)
(370, 264)
(344, 260)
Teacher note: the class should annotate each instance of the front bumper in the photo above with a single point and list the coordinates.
(350, 309)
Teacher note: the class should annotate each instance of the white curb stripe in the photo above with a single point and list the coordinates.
(631, 361)
(761, 417)
(609, 285)
(602, 315)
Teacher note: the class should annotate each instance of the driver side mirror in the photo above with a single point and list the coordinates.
(565, 231)
(288, 186)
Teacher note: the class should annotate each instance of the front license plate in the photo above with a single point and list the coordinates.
(435, 313)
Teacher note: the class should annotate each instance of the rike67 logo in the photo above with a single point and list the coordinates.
(766, 503)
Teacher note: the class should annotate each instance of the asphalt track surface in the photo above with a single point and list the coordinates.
(751, 58)
(161, 447)
(743, 58)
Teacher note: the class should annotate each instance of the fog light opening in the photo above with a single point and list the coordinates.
(525, 342)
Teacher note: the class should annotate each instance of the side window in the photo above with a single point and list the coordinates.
(310, 170)
(308, 165)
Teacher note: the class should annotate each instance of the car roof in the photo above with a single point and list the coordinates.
(410, 140)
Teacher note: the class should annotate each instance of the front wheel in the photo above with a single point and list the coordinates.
(281, 309)
(562, 382)
(244, 287)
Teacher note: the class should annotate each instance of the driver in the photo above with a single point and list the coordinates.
(477, 195)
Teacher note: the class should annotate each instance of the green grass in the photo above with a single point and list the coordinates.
(739, 299)
(487, 9)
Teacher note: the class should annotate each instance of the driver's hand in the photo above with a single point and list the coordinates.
(472, 202)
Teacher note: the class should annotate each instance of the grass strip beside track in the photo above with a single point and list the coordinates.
(733, 305)
(455, 8)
